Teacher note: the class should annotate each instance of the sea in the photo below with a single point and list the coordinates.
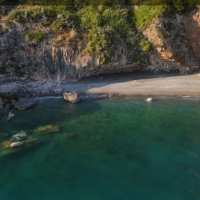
(110, 149)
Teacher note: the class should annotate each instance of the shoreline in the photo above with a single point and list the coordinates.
(116, 85)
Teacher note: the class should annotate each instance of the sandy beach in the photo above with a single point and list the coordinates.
(136, 84)
(139, 84)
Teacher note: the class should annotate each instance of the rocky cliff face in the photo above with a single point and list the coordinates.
(175, 47)
(174, 40)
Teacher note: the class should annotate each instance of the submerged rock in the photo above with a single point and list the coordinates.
(10, 116)
(10, 144)
(7, 143)
(70, 135)
(15, 144)
(72, 97)
(48, 129)
(18, 142)
(25, 103)
(19, 137)
(25, 143)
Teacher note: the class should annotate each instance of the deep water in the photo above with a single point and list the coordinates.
(115, 149)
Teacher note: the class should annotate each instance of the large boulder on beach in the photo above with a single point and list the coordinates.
(72, 97)
(25, 103)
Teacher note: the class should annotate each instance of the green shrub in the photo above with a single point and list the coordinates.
(3, 30)
(89, 17)
(68, 21)
(36, 36)
(56, 25)
(144, 15)
(100, 41)
(18, 16)
(46, 23)
(116, 18)
(145, 45)
(50, 13)
(160, 33)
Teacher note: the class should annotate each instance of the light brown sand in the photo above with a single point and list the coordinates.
(140, 84)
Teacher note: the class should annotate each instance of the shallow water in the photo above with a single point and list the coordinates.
(117, 149)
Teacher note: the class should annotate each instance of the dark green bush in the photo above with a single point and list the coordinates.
(36, 36)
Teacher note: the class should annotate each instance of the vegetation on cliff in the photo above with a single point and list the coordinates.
(91, 27)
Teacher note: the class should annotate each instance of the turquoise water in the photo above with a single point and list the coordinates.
(115, 149)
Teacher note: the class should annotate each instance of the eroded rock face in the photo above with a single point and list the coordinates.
(172, 49)
(25, 103)
(192, 27)
(72, 97)
(175, 41)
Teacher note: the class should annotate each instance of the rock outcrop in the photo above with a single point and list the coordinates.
(1, 102)
(25, 103)
(19, 141)
(26, 143)
(172, 49)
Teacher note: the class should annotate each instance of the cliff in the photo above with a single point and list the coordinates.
(37, 44)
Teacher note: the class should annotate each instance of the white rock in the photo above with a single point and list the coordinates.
(21, 136)
(149, 100)
(10, 115)
(15, 144)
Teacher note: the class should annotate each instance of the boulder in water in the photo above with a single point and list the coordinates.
(16, 144)
(25, 103)
(72, 97)
(7, 143)
(10, 144)
(19, 137)
(48, 129)
(10, 116)
(25, 143)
